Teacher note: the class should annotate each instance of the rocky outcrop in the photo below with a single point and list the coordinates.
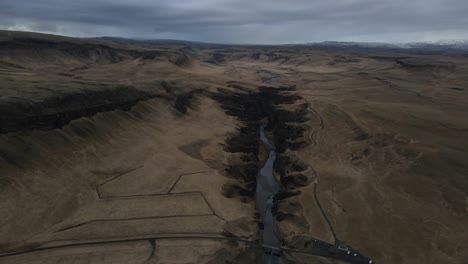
(57, 111)
(288, 134)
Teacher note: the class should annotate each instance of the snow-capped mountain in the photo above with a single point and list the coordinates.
(452, 46)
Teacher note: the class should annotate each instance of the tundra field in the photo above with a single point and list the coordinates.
(117, 152)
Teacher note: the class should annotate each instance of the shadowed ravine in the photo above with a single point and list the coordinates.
(267, 187)
(256, 178)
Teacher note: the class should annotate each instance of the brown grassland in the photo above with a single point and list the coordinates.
(102, 142)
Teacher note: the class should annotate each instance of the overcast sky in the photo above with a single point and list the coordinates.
(244, 21)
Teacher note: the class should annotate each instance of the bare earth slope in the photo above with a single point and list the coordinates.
(116, 150)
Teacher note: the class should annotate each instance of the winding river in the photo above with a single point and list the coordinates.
(267, 187)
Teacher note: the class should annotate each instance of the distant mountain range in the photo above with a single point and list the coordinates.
(455, 47)
(447, 47)
(171, 42)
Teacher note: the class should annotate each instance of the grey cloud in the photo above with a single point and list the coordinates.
(244, 21)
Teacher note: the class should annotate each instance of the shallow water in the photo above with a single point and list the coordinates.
(267, 187)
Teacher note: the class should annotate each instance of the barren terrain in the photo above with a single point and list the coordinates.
(119, 153)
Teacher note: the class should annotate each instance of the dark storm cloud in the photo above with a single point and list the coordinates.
(244, 21)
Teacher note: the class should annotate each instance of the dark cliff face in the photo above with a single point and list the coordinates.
(86, 51)
(58, 52)
(57, 111)
(252, 109)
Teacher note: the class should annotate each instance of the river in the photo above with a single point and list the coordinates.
(267, 187)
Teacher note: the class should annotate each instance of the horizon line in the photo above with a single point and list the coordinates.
(446, 42)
